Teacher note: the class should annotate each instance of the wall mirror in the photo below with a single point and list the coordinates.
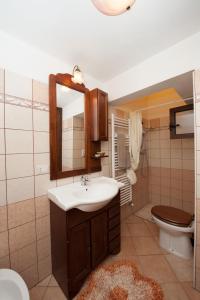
(68, 126)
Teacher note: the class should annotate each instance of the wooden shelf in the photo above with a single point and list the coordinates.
(94, 157)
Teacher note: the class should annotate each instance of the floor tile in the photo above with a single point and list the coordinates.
(45, 282)
(127, 246)
(174, 291)
(146, 246)
(156, 267)
(37, 293)
(54, 293)
(53, 281)
(132, 219)
(139, 229)
(183, 268)
(190, 291)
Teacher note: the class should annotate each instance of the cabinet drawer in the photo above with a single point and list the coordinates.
(114, 244)
(114, 233)
(114, 221)
(113, 211)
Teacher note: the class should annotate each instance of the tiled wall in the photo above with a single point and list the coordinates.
(197, 176)
(24, 176)
(171, 167)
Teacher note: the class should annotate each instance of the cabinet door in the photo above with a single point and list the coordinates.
(79, 255)
(99, 229)
(103, 115)
(99, 115)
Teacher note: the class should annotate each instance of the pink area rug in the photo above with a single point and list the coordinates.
(120, 280)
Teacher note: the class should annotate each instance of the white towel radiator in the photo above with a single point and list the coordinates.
(119, 173)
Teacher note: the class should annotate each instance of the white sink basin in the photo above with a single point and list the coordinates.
(98, 192)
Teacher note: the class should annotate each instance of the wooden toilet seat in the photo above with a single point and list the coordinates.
(172, 215)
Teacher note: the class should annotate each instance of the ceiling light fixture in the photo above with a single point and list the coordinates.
(77, 76)
(113, 7)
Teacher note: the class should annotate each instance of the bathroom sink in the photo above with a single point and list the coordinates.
(98, 192)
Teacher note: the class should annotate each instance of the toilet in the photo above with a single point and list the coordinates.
(176, 228)
(12, 286)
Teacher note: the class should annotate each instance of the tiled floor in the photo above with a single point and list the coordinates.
(140, 244)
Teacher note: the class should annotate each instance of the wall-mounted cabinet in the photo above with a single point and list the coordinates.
(182, 122)
(99, 115)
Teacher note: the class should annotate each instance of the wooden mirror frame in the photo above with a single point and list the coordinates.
(65, 80)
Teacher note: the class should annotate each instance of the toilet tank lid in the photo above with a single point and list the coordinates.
(172, 215)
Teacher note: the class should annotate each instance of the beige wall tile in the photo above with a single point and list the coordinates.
(176, 153)
(176, 163)
(24, 258)
(3, 218)
(176, 144)
(2, 168)
(198, 114)
(189, 206)
(188, 154)
(41, 163)
(18, 86)
(64, 181)
(30, 276)
(5, 262)
(40, 92)
(19, 165)
(42, 184)
(42, 206)
(2, 115)
(21, 213)
(1, 80)
(198, 210)
(22, 236)
(17, 117)
(44, 248)
(188, 164)
(165, 144)
(2, 192)
(198, 185)
(176, 174)
(4, 248)
(20, 189)
(40, 120)
(41, 142)
(188, 143)
(165, 163)
(2, 142)
(43, 227)
(198, 233)
(197, 82)
(44, 268)
(19, 141)
(198, 137)
(188, 175)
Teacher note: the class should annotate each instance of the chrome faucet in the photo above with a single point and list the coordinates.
(84, 180)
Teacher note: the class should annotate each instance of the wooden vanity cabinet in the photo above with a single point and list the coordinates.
(80, 241)
(99, 115)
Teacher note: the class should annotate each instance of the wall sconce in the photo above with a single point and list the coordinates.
(77, 76)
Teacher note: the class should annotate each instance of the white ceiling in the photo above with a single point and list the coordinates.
(75, 32)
